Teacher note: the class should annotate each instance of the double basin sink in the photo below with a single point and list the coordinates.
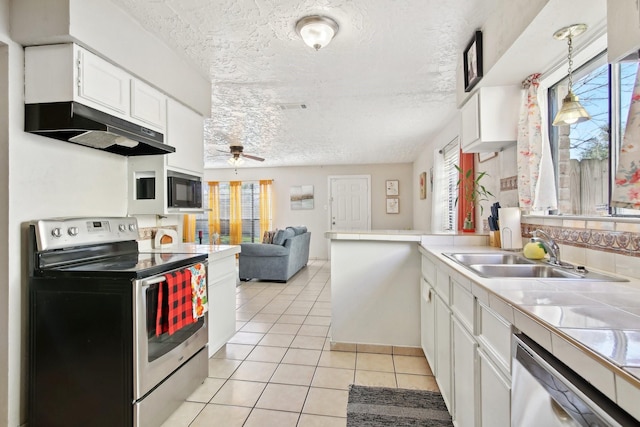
(508, 265)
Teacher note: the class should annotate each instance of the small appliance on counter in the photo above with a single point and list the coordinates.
(510, 231)
(165, 237)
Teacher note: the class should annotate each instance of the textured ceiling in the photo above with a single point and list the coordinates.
(374, 95)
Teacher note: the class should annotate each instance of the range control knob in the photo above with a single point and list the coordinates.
(73, 231)
(122, 227)
(132, 227)
(56, 232)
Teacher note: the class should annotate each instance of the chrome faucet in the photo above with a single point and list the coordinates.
(549, 244)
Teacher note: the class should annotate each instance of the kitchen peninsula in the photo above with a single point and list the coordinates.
(396, 288)
(375, 284)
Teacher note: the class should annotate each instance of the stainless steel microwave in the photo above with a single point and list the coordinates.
(184, 191)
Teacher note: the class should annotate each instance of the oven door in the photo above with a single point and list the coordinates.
(157, 356)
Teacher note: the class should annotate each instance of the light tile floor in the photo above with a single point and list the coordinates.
(278, 370)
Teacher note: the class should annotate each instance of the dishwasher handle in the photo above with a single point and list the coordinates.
(586, 405)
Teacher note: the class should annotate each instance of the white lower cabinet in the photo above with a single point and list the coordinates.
(467, 345)
(443, 350)
(464, 375)
(428, 322)
(495, 394)
(222, 302)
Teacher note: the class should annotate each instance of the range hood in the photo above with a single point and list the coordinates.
(79, 124)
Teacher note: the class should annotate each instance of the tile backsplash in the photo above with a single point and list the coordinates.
(609, 244)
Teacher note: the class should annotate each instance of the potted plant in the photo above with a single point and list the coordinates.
(473, 192)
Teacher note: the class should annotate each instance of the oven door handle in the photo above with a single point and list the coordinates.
(148, 282)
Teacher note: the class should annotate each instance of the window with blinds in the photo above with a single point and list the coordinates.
(250, 202)
(449, 191)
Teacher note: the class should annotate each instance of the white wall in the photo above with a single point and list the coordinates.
(39, 178)
(317, 219)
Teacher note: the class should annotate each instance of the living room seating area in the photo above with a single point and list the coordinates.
(277, 260)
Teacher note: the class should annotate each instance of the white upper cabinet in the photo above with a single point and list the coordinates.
(68, 72)
(623, 30)
(185, 132)
(102, 85)
(490, 119)
(148, 104)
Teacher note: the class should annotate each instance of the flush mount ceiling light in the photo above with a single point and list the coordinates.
(317, 31)
(572, 111)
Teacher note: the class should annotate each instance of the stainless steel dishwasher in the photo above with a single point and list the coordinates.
(545, 392)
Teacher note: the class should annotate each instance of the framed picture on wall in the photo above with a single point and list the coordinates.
(473, 62)
(423, 185)
(393, 187)
(393, 205)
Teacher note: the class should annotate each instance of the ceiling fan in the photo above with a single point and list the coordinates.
(236, 151)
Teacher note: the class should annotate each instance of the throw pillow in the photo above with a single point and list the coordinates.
(281, 236)
(301, 229)
(267, 237)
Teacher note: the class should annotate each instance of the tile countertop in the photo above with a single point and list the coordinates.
(403, 236)
(214, 251)
(587, 324)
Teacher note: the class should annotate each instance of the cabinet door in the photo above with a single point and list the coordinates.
(185, 131)
(428, 322)
(494, 335)
(470, 115)
(101, 84)
(464, 376)
(222, 302)
(495, 394)
(443, 350)
(148, 105)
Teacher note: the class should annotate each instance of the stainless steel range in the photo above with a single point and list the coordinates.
(97, 356)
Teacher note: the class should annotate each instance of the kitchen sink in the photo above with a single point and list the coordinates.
(507, 265)
(522, 270)
(488, 258)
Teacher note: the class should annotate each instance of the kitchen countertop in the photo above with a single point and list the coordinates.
(214, 251)
(601, 320)
(400, 236)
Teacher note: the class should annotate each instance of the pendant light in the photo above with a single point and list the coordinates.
(317, 31)
(572, 111)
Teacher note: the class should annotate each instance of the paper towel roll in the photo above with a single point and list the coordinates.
(165, 237)
(510, 232)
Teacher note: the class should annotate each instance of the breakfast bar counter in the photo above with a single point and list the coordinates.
(375, 285)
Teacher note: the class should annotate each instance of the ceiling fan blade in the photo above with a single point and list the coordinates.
(222, 151)
(249, 156)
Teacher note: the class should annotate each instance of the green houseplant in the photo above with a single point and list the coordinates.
(473, 192)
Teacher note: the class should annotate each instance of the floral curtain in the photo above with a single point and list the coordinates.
(214, 210)
(265, 205)
(235, 212)
(626, 193)
(536, 178)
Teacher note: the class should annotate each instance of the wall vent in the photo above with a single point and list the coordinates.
(293, 106)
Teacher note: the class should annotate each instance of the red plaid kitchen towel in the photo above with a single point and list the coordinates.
(179, 307)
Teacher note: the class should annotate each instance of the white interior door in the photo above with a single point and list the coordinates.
(350, 202)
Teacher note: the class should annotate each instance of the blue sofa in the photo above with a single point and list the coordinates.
(276, 261)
